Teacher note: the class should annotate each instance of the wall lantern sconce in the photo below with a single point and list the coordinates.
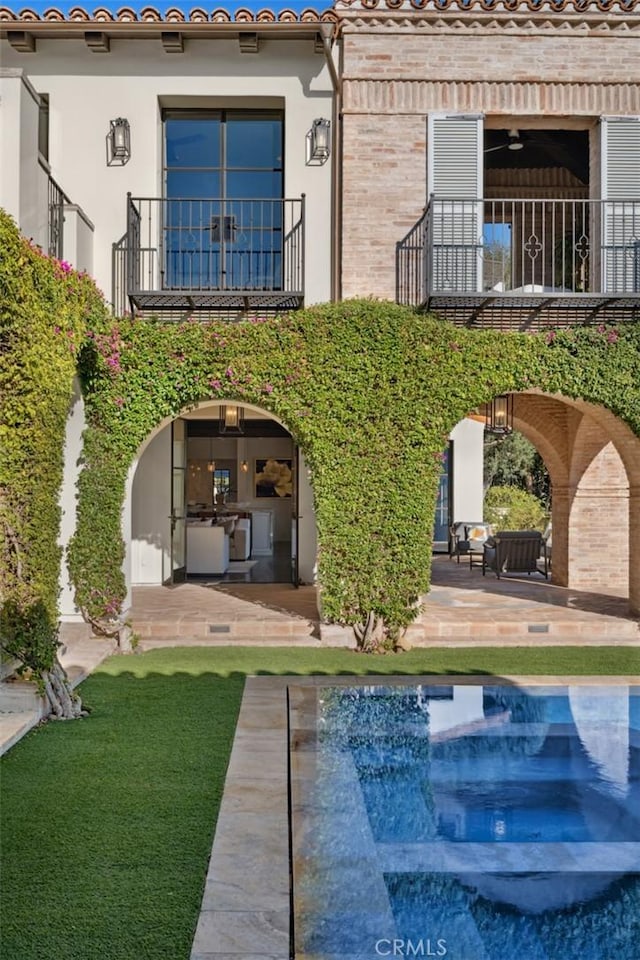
(118, 143)
(319, 143)
(244, 466)
(499, 418)
(232, 419)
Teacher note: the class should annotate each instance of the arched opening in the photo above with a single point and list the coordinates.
(215, 504)
(593, 459)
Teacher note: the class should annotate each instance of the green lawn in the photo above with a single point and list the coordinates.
(107, 823)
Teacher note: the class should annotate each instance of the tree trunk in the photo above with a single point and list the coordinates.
(370, 634)
(116, 630)
(64, 702)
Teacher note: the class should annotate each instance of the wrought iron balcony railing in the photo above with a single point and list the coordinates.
(211, 254)
(57, 199)
(538, 260)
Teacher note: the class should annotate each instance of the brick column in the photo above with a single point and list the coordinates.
(560, 509)
(634, 550)
(598, 538)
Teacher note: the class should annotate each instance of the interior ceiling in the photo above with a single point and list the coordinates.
(212, 410)
(541, 148)
(252, 428)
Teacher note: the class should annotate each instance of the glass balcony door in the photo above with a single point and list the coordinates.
(222, 211)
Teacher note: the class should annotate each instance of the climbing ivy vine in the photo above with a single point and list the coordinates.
(369, 390)
(45, 310)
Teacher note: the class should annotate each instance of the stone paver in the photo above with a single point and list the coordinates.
(463, 607)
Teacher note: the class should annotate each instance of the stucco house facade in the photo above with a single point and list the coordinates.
(474, 158)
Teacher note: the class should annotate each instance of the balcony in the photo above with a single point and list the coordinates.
(69, 232)
(523, 264)
(57, 200)
(215, 255)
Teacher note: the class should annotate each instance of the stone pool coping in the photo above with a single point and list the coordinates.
(245, 908)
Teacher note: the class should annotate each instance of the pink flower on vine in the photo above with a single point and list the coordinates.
(550, 337)
(229, 372)
(119, 401)
(613, 336)
(267, 388)
(215, 384)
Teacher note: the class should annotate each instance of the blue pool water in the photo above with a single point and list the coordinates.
(469, 822)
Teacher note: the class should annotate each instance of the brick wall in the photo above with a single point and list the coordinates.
(596, 496)
(384, 193)
(395, 75)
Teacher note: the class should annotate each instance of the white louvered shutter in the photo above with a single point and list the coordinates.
(455, 187)
(620, 191)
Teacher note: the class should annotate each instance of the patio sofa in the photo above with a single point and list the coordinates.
(516, 551)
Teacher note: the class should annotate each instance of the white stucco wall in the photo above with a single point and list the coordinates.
(150, 509)
(87, 90)
(72, 451)
(307, 531)
(468, 444)
(23, 180)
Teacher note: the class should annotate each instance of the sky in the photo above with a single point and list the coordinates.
(64, 6)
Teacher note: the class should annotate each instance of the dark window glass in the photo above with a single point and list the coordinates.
(204, 183)
(43, 126)
(193, 143)
(254, 142)
(222, 213)
(254, 184)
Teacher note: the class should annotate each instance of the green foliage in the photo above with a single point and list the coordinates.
(369, 390)
(511, 508)
(512, 460)
(44, 311)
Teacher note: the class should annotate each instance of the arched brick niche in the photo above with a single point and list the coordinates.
(593, 459)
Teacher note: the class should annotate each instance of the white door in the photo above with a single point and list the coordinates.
(455, 162)
(620, 192)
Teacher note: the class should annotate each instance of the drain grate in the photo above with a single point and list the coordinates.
(219, 628)
(538, 628)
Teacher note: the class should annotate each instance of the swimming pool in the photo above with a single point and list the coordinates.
(473, 822)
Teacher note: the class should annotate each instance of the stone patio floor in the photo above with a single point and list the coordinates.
(462, 607)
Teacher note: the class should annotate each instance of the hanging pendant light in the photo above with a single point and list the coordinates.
(231, 419)
(500, 415)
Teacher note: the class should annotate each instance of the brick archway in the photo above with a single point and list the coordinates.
(593, 459)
